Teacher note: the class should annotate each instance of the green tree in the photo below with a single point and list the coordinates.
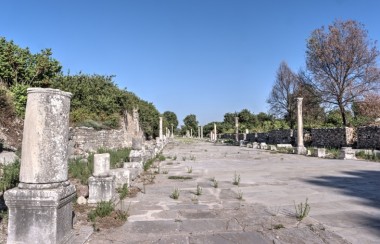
(19, 65)
(171, 119)
(190, 122)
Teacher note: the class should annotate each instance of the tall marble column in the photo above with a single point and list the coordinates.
(300, 146)
(201, 132)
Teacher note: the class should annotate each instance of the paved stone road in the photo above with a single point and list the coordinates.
(344, 197)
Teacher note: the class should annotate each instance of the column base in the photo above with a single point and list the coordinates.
(40, 215)
(301, 150)
(101, 189)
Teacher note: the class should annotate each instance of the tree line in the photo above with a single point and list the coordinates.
(96, 102)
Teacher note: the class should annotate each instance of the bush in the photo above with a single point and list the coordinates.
(123, 191)
(102, 209)
(9, 175)
(19, 94)
(81, 170)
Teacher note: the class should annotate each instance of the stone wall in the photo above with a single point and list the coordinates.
(280, 137)
(332, 137)
(325, 137)
(368, 137)
(82, 139)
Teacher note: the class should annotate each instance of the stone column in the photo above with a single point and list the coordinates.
(215, 134)
(237, 129)
(172, 135)
(40, 208)
(201, 132)
(300, 147)
(191, 132)
(161, 136)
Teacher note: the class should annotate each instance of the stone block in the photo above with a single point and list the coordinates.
(101, 165)
(319, 152)
(347, 153)
(137, 143)
(40, 216)
(273, 148)
(284, 146)
(122, 176)
(263, 145)
(136, 156)
(101, 189)
(81, 200)
(255, 145)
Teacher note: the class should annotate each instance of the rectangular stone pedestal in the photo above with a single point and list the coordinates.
(101, 189)
(40, 215)
(301, 150)
(347, 153)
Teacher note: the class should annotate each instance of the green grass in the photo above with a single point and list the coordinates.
(148, 164)
(332, 153)
(117, 156)
(368, 156)
(81, 170)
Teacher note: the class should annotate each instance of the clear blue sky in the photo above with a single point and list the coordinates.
(205, 57)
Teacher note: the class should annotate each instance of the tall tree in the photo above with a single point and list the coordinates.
(171, 119)
(282, 97)
(342, 61)
(191, 122)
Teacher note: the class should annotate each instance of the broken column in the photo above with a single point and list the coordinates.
(172, 135)
(161, 136)
(101, 184)
(300, 147)
(40, 208)
(201, 132)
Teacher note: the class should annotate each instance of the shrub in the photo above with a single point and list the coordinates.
(19, 94)
(175, 194)
(102, 209)
(81, 170)
(123, 191)
(236, 180)
(302, 210)
(9, 176)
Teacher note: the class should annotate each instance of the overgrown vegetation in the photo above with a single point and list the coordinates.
(117, 156)
(179, 177)
(371, 156)
(175, 194)
(9, 175)
(82, 169)
(302, 210)
(102, 209)
(123, 191)
(96, 102)
(236, 179)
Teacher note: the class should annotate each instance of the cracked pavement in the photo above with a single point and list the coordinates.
(343, 195)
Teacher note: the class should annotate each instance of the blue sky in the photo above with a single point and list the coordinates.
(205, 57)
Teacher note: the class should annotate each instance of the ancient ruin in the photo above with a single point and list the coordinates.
(40, 208)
